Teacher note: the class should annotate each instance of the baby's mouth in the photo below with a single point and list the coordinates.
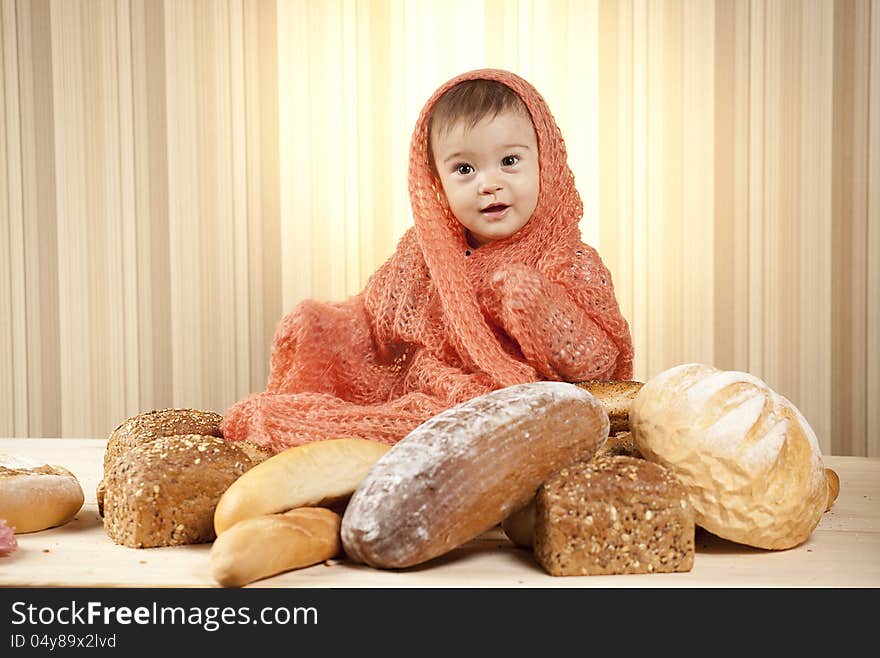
(495, 208)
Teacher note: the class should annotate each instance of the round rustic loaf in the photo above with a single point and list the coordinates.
(750, 461)
(35, 495)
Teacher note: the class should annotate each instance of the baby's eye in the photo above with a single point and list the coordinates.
(463, 169)
(509, 160)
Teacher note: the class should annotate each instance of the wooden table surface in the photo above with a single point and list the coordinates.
(843, 551)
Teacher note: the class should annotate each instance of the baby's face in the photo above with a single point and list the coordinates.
(490, 174)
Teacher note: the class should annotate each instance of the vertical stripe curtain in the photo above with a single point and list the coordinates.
(176, 176)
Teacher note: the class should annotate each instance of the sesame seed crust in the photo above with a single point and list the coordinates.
(163, 493)
(613, 515)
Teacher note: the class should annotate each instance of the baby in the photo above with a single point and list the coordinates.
(484, 150)
(491, 287)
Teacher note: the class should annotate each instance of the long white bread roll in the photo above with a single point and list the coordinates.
(267, 545)
(750, 461)
(310, 475)
(35, 496)
(466, 469)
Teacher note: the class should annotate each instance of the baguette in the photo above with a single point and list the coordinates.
(319, 474)
(464, 470)
(264, 546)
(35, 496)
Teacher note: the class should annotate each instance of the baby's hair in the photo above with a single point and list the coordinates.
(470, 101)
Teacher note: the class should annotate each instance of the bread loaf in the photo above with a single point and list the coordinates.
(749, 460)
(619, 443)
(833, 487)
(463, 471)
(163, 493)
(322, 473)
(520, 526)
(151, 425)
(616, 396)
(264, 546)
(35, 496)
(613, 515)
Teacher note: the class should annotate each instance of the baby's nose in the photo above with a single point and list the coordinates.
(489, 185)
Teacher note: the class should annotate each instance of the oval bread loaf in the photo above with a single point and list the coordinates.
(749, 460)
(311, 475)
(463, 471)
(267, 545)
(35, 496)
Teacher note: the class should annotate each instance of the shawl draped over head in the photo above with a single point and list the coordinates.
(439, 324)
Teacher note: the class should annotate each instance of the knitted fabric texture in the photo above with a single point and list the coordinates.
(434, 326)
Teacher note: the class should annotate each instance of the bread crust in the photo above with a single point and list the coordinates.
(322, 473)
(263, 546)
(750, 461)
(36, 496)
(617, 397)
(151, 425)
(163, 493)
(466, 469)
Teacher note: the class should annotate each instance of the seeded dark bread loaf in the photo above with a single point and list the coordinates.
(613, 515)
(616, 397)
(151, 425)
(163, 493)
(520, 526)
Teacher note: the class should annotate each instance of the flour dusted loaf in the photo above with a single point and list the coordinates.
(616, 396)
(613, 515)
(463, 471)
(749, 460)
(35, 496)
(164, 492)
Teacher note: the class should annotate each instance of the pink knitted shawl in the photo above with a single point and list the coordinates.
(435, 327)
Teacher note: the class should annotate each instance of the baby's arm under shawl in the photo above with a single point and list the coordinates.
(556, 335)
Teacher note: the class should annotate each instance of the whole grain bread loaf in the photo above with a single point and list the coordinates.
(151, 425)
(164, 492)
(613, 515)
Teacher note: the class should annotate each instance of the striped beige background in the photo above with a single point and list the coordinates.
(175, 176)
